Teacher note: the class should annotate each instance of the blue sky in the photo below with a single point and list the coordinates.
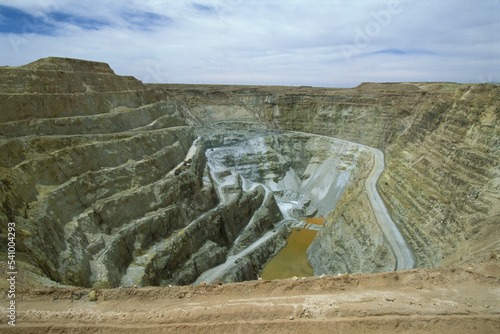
(335, 43)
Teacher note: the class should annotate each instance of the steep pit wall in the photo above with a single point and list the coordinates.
(441, 142)
(308, 174)
(96, 171)
(351, 240)
(442, 182)
(369, 115)
(107, 183)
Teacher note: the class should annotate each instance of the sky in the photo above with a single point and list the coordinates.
(323, 43)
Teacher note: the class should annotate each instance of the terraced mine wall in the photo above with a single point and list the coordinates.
(441, 144)
(109, 180)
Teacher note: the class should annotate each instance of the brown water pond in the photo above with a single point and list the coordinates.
(292, 259)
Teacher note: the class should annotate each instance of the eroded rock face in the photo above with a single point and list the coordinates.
(441, 142)
(308, 176)
(121, 197)
(112, 182)
(443, 176)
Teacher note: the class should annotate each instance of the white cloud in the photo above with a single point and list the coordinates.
(270, 42)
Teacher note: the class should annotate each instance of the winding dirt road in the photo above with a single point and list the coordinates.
(404, 256)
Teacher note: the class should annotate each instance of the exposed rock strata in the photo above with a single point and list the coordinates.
(441, 142)
(443, 178)
(118, 194)
(351, 240)
(108, 182)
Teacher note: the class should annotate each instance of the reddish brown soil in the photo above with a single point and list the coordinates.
(455, 300)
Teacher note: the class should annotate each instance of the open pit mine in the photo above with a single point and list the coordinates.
(111, 182)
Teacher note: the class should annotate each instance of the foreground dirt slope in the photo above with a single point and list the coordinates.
(455, 300)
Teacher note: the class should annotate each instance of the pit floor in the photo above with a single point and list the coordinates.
(292, 259)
